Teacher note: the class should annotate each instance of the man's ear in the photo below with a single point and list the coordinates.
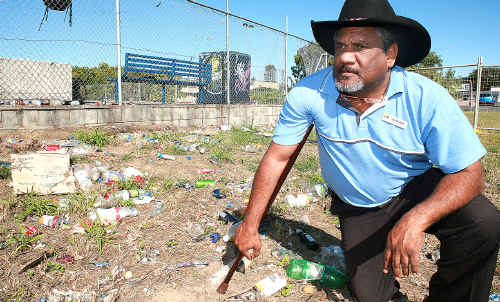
(392, 54)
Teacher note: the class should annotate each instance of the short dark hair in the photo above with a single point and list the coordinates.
(386, 36)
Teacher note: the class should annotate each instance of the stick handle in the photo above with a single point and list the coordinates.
(223, 286)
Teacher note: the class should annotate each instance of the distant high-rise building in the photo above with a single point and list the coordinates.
(270, 74)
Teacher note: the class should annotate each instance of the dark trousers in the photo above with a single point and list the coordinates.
(469, 245)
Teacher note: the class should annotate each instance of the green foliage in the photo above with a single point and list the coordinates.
(93, 137)
(54, 266)
(168, 184)
(241, 137)
(490, 77)
(4, 172)
(127, 157)
(315, 178)
(286, 291)
(98, 232)
(21, 240)
(81, 203)
(299, 69)
(35, 205)
(263, 95)
(94, 75)
(172, 243)
(306, 163)
(173, 149)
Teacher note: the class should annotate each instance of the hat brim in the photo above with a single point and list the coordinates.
(414, 42)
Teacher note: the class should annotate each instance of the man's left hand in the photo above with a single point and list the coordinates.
(404, 243)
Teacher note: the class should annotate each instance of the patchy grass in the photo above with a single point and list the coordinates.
(93, 137)
(35, 205)
(21, 241)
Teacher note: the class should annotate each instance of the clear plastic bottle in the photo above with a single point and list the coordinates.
(300, 269)
(48, 220)
(113, 214)
(166, 156)
(333, 256)
(319, 190)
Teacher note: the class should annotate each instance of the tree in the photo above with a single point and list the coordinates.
(430, 67)
(490, 77)
(298, 70)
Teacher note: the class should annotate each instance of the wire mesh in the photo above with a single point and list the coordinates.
(461, 83)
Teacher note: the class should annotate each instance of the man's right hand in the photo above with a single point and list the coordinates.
(248, 241)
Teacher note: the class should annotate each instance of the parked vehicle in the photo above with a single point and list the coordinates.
(486, 98)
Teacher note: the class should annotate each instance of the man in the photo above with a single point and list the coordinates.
(398, 155)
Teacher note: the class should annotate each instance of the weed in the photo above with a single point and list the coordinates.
(172, 243)
(315, 178)
(168, 184)
(35, 205)
(285, 261)
(307, 163)
(173, 150)
(22, 240)
(93, 137)
(98, 232)
(286, 291)
(54, 266)
(4, 172)
(81, 203)
(127, 157)
(241, 137)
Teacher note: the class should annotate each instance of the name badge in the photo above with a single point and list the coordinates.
(394, 121)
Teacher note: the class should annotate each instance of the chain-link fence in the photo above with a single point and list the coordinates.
(481, 106)
(66, 51)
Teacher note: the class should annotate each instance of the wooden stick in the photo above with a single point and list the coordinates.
(224, 285)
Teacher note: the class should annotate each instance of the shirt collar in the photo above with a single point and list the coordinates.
(396, 83)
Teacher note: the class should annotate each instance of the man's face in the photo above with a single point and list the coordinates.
(361, 64)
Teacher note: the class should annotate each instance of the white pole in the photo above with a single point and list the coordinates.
(118, 53)
(228, 67)
(286, 58)
(478, 90)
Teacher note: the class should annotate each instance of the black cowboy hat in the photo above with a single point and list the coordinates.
(412, 38)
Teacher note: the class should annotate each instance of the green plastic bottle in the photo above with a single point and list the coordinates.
(204, 183)
(300, 269)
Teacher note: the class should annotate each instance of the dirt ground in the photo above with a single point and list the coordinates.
(139, 251)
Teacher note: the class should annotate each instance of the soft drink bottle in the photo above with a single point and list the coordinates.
(204, 183)
(300, 269)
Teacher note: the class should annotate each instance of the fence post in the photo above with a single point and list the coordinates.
(478, 90)
(286, 58)
(118, 53)
(228, 69)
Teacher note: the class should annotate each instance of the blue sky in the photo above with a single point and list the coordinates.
(460, 30)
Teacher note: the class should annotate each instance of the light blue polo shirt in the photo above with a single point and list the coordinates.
(369, 159)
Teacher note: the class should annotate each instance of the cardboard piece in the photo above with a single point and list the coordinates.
(46, 172)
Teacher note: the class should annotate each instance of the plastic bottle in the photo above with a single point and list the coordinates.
(307, 239)
(113, 214)
(299, 201)
(319, 190)
(113, 200)
(204, 183)
(157, 208)
(166, 156)
(333, 256)
(300, 269)
(231, 232)
(48, 220)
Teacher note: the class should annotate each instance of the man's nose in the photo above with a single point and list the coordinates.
(347, 56)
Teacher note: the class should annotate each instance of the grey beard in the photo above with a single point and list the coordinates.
(346, 88)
